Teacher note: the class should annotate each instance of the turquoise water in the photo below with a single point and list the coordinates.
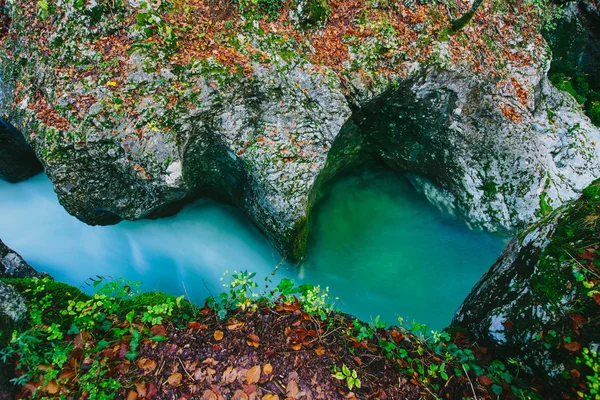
(377, 243)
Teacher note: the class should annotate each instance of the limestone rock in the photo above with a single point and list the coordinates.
(12, 265)
(539, 301)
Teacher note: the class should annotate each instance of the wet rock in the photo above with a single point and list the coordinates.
(12, 265)
(538, 302)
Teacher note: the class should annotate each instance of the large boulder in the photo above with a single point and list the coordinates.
(128, 129)
(540, 302)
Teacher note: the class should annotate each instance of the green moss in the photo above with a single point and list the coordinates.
(490, 188)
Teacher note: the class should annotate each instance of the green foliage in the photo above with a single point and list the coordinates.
(317, 12)
(63, 322)
(577, 84)
(260, 8)
(351, 377)
(591, 360)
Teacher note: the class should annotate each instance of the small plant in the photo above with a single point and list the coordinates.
(351, 377)
(591, 360)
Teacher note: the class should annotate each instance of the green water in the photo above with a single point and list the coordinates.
(377, 243)
(384, 249)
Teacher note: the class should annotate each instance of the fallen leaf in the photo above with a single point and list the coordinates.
(575, 375)
(175, 379)
(52, 387)
(253, 340)
(397, 336)
(573, 346)
(267, 369)
(209, 395)
(292, 389)
(485, 380)
(239, 395)
(151, 392)
(253, 375)
(141, 389)
(320, 350)
(295, 346)
(146, 365)
(230, 375)
(132, 395)
(218, 335)
(270, 396)
(235, 325)
(158, 330)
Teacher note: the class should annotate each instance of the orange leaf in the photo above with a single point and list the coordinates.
(132, 395)
(296, 346)
(175, 379)
(573, 346)
(267, 369)
(320, 351)
(52, 387)
(218, 335)
(158, 330)
(235, 325)
(253, 340)
(146, 365)
(239, 395)
(253, 375)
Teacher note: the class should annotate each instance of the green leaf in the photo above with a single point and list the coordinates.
(158, 338)
(345, 370)
(497, 389)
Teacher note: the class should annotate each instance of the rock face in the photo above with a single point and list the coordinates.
(144, 135)
(12, 265)
(17, 159)
(540, 301)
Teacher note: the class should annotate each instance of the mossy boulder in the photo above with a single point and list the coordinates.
(540, 302)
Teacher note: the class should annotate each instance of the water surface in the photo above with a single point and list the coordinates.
(378, 244)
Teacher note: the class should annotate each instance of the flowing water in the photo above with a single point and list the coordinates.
(375, 242)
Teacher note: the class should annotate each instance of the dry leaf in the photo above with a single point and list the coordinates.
(141, 389)
(218, 335)
(230, 375)
(52, 387)
(209, 395)
(175, 379)
(235, 325)
(253, 340)
(132, 395)
(292, 389)
(296, 346)
(239, 395)
(267, 369)
(253, 375)
(270, 396)
(146, 365)
(573, 346)
(320, 351)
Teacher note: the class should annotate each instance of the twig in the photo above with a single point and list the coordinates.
(188, 297)
(470, 383)
(185, 369)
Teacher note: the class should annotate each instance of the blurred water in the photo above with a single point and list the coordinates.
(378, 245)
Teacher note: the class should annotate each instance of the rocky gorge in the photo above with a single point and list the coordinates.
(136, 108)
